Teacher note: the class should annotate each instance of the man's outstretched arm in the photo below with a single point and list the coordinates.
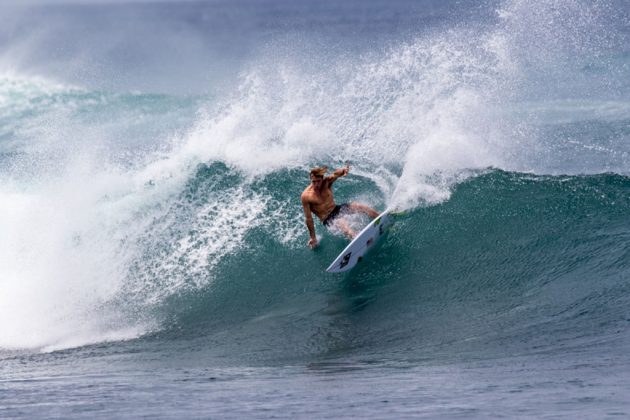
(338, 173)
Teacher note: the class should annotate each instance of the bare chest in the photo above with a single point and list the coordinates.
(320, 197)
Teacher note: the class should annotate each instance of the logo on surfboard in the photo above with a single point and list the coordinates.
(345, 260)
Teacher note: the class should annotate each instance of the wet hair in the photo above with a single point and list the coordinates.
(319, 171)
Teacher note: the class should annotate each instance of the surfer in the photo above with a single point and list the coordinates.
(318, 198)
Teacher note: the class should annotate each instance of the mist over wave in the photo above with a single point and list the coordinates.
(426, 110)
(116, 203)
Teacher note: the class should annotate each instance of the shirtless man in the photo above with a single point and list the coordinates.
(318, 198)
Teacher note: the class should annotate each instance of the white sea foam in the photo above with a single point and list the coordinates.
(421, 109)
(88, 247)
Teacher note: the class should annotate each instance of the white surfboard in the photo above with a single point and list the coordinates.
(362, 243)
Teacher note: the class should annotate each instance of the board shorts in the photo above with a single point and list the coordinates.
(341, 208)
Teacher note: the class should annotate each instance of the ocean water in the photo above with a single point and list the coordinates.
(153, 258)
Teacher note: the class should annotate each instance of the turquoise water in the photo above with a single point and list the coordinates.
(153, 257)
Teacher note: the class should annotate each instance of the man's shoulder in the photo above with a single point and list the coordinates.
(307, 194)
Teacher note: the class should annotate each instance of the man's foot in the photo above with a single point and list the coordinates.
(350, 234)
(346, 229)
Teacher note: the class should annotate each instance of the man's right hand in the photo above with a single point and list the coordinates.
(312, 243)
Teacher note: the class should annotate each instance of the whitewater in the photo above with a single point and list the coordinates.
(153, 257)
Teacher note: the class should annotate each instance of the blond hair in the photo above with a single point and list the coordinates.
(319, 170)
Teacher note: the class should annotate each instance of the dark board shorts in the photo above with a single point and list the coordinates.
(335, 213)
